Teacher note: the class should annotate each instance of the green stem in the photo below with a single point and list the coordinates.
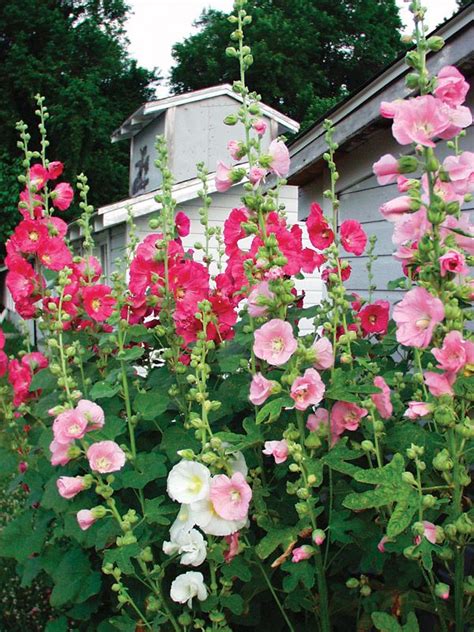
(275, 597)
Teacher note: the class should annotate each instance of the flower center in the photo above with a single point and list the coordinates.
(75, 429)
(235, 495)
(277, 345)
(372, 319)
(103, 463)
(195, 484)
(33, 236)
(423, 323)
(96, 303)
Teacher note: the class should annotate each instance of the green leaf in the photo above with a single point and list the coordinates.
(44, 380)
(74, 579)
(412, 624)
(369, 500)
(150, 405)
(402, 515)
(237, 568)
(148, 467)
(155, 512)
(272, 409)
(103, 390)
(234, 603)
(385, 623)
(122, 557)
(131, 354)
(390, 474)
(57, 625)
(275, 537)
(341, 395)
(301, 573)
(23, 536)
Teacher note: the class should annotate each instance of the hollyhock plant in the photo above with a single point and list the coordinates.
(307, 390)
(230, 496)
(275, 342)
(105, 457)
(353, 237)
(277, 449)
(417, 316)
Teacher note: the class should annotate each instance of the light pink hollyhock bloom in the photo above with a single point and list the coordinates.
(85, 518)
(394, 209)
(455, 353)
(411, 227)
(275, 342)
(223, 177)
(454, 262)
(324, 354)
(234, 148)
(230, 497)
(277, 449)
(256, 175)
(233, 542)
(451, 86)
(260, 389)
(382, 400)
(459, 118)
(317, 419)
(68, 426)
(105, 457)
(403, 184)
(439, 383)
(386, 169)
(416, 317)
(62, 196)
(429, 532)
(307, 390)
(418, 409)
(462, 241)
(70, 486)
(255, 308)
(259, 126)
(461, 172)
(382, 543)
(419, 120)
(92, 412)
(280, 158)
(302, 553)
(388, 109)
(59, 453)
(353, 237)
(345, 416)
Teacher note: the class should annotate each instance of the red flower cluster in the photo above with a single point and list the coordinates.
(20, 374)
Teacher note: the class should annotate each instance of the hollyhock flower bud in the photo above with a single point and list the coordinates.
(318, 536)
(277, 449)
(386, 169)
(223, 177)
(417, 316)
(98, 301)
(68, 426)
(187, 586)
(260, 389)
(55, 169)
(236, 149)
(394, 209)
(62, 196)
(442, 590)
(279, 158)
(230, 496)
(324, 354)
(61, 453)
(382, 400)
(317, 419)
(353, 237)
(307, 390)
(85, 518)
(182, 223)
(275, 342)
(22, 467)
(451, 87)
(382, 543)
(439, 383)
(70, 486)
(453, 262)
(259, 126)
(188, 482)
(92, 412)
(105, 457)
(302, 553)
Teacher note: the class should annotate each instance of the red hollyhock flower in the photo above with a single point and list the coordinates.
(29, 234)
(56, 226)
(319, 231)
(3, 363)
(21, 280)
(62, 196)
(189, 282)
(345, 271)
(38, 176)
(233, 230)
(98, 301)
(182, 223)
(55, 169)
(35, 360)
(310, 260)
(30, 204)
(353, 237)
(19, 376)
(374, 318)
(54, 254)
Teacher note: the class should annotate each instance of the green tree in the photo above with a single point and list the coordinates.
(308, 53)
(464, 3)
(74, 52)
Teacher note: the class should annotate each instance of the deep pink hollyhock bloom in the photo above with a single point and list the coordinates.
(68, 426)
(256, 175)
(182, 223)
(230, 496)
(2, 339)
(59, 453)
(455, 353)
(38, 176)
(382, 400)
(302, 553)
(275, 342)
(382, 543)
(255, 308)
(319, 418)
(3, 363)
(233, 550)
(417, 316)
(55, 169)
(85, 518)
(259, 126)
(35, 360)
(233, 231)
(29, 234)
(453, 262)
(54, 254)
(277, 449)
(324, 354)
(353, 237)
(386, 169)
(70, 486)
(21, 279)
(62, 196)
(418, 409)
(310, 260)
(98, 301)
(105, 457)
(461, 172)
(56, 226)
(394, 209)
(319, 232)
(19, 376)
(92, 412)
(223, 178)
(22, 467)
(419, 120)
(89, 268)
(439, 383)
(280, 158)
(307, 390)
(260, 389)
(451, 86)
(345, 416)
(374, 318)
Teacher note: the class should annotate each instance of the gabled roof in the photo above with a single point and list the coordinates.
(148, 111)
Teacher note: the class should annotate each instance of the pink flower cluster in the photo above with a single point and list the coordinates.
(21, 372)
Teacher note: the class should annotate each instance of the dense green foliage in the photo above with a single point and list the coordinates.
(308, 55)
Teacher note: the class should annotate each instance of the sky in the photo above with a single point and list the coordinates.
(155, 25)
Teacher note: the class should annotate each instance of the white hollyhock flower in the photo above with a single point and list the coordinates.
(187, 586)
(184, 522)
(190, 545)
(237, 463)
(188, 482)
(206, 518)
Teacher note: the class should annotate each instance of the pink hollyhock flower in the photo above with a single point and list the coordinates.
(38, 176)
(429, 532)
(302, 553)
(280, 158)
(319, 232)
(451, 87)
(455, 353)
(21, 280)
(259, 126)
(382, 400)
(439, 383)
(59, 453)
(403, 184)
(55, 169)
(388, 109)
(256, 175)
(223, 177)
(411, 227)
(277, 449)
(310, 260)
(62, 196)
(19, 376)
(54, 254)
(85, 518)
(233, 542)
(22, 467)
(353, 237)
(451, 223)
(98, 301)
(324, 354)
(382, 543)
(255, 308)
(419, 120)
(3, 363)
(453, 262)
(182, 223)
(307, 390)
(89, 268)
(417, 316)
(319, 418)
(92, 412)
(459, 118)
(394, 209)
(275, 342)
(68, 426)
(418, 409)
(386, 169)
(105, 457)
(29, 234)
(230, 496)
(2, 339)
(35, 360)
(235, 149)
(345, 416)
(260, 389)
(461, 172)
(233, 230)
(374, 318)
(70, 486)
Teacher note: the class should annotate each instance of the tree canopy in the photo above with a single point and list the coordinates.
(74, 52)
(308, 53)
